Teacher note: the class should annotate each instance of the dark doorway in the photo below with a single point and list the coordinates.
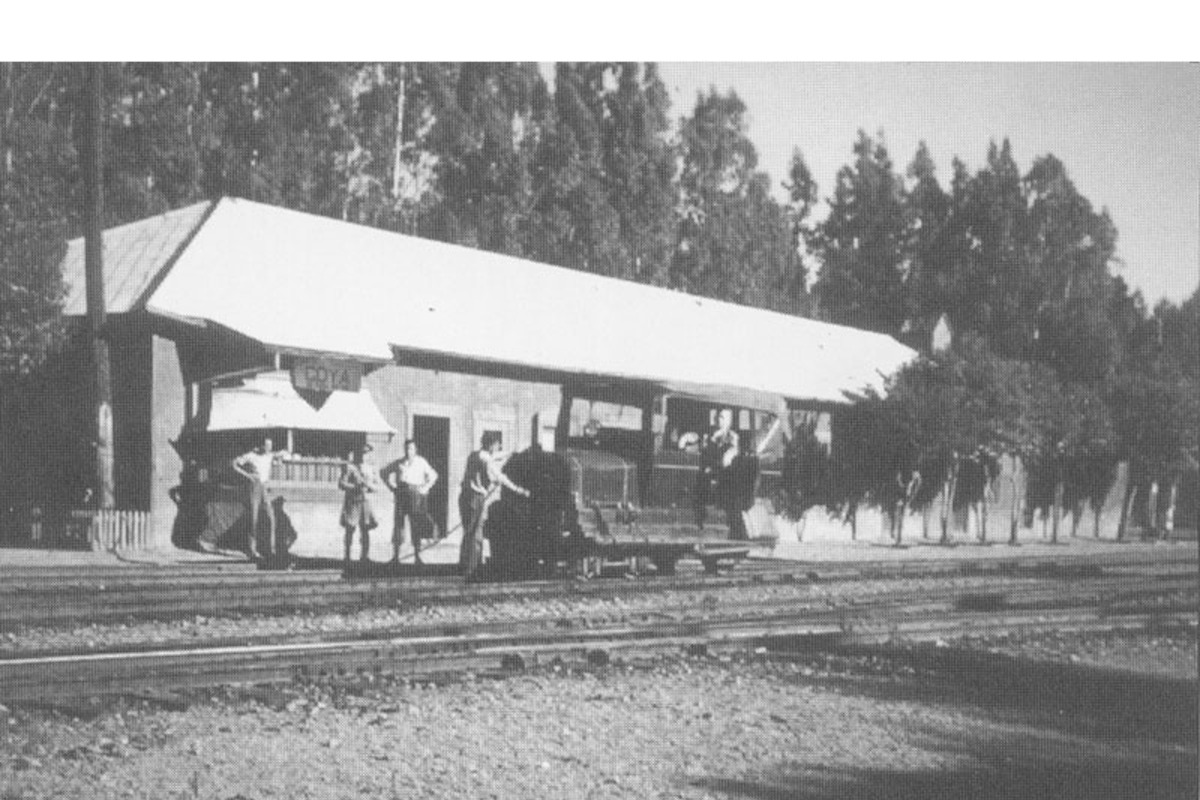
(432, 436)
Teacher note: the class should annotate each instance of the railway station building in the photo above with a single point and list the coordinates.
(230, 320)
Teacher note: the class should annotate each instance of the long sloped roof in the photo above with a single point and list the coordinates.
(134, 256)
(299, 282)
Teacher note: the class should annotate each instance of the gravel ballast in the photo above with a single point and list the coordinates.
(1062, 716)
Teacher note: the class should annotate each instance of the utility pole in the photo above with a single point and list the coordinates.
(93, 216)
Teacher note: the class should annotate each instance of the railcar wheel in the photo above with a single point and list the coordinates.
(665, 566)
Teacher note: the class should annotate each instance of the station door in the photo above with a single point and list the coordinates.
(432, 436)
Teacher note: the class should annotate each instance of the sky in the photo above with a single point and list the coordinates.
(1128, 133)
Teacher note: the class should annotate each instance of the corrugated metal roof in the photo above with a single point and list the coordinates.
(302, 282)
(134, 255)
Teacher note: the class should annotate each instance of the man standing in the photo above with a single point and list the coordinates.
(739, 482)
(256, 466)
(717, 450)
(410, 479)
(356, 481)
(483, 474)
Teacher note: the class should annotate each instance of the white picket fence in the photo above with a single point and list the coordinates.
(117, 529)
(93, 529)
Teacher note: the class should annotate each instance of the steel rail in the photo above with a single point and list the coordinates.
(164, 596)
(200, 600)
(37, 679)
(57, 676)
(1004, 593)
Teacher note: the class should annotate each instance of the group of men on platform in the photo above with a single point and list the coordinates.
(410, 479)
(728, 474)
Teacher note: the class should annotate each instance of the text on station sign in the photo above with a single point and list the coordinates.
(325, 375)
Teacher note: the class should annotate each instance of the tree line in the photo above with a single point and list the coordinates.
(1053, 363)
(1054, 358)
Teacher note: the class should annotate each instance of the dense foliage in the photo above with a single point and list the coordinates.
(1054, 363)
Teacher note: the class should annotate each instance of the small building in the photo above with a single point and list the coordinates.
(215, 307)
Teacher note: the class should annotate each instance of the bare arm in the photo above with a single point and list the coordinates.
(238, 467)
(496, 472)
(431, 477)
(390, 475)
(348, 480)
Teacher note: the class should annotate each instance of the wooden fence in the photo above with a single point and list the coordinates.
(93, 529)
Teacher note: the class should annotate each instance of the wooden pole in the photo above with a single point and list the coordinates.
(93, 216)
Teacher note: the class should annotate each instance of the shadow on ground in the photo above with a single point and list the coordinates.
(1044, 730)
(991, 773)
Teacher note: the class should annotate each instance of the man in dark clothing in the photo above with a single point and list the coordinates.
(717, 450)
(357, 514)
(737, 486)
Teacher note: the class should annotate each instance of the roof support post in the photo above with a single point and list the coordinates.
(562, 427)
(649, 405)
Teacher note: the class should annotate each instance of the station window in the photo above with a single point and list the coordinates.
(325, 444)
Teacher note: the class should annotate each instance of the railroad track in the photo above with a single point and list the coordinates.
(436, 650)
(733, 603)
(72, 596)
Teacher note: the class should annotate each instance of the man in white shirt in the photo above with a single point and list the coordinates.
(256, 466)
(410, 479)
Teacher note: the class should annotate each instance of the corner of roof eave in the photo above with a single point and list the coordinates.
(183, 319)
(304, 352)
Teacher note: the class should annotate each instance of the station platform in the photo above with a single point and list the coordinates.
(445, 551)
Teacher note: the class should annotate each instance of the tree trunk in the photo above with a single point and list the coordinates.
(910, 490)
(1056, 511)
(948, 509)
(6, 163)
(1152, 508)
(852, 515)
(1018, 503)
(1097, 510)
(1169, 514)
(984, 507)
(925, 512)
(398, 151)
(1126, 508)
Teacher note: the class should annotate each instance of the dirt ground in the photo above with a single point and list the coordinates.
(1032, 716)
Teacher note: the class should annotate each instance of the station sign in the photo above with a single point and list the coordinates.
(326, 375)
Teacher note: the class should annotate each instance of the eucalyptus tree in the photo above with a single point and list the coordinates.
(929, 245)
(38, 176)
(861, 244)
(735, 242)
